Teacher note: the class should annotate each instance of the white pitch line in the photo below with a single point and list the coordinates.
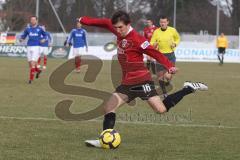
(185, 125)
(128, 122)
(175, 125)
(29, 118)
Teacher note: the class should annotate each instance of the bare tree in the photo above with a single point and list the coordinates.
(235, 16)
(192, 15)
(18, 13)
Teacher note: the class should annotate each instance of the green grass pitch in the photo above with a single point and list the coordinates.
(204, 126)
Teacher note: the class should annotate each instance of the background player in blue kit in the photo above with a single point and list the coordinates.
(34, 33)
(79, 42)
(44, 48)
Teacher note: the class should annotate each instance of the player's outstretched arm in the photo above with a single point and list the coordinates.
(98, 22)
(149, 50)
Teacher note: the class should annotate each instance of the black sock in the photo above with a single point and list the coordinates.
(153, 67)
(172, 99)
(219, 58)
(163, 87)
(109, 121)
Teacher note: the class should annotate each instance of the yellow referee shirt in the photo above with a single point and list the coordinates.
(222, 42)
(166, 40)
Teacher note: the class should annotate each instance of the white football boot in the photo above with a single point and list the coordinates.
(196, 86)
(93, 143)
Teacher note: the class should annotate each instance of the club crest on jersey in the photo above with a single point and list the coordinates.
(125, 44)
(145, 44)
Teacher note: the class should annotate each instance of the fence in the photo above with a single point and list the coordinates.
(187, 40)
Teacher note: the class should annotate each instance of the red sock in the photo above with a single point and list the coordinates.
(45, 60)
(77, 62)
(39, 60)
(31, 74)
(37, 69)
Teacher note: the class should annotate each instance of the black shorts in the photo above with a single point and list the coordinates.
(143, 90)
(171, 57)
(221, 50)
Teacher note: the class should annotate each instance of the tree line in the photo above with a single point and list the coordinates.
(192, 15)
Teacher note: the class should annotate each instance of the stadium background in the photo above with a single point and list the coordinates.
(203, 126)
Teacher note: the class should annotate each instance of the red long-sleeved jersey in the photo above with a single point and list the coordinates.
(148, 32)
(130, 52)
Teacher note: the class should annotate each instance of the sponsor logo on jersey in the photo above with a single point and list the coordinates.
(145, 44)
(78, 35)
(33, 34)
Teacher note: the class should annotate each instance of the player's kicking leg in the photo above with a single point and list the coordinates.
(115, 101)
(172, 99)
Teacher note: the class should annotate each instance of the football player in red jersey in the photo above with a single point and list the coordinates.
(147, 33)
(136, 79)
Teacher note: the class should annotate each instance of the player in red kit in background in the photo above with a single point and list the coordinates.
(136, 78)
(147, 33)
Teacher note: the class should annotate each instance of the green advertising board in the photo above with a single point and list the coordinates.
(21, 51)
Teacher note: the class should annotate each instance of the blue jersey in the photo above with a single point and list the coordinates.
(78, 37)
(48, 39)
(34, 35)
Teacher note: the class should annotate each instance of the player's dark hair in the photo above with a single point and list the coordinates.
(164, 17)
(121, 16)
(34, 17)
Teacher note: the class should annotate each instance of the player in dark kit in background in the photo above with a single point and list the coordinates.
(136, 79)
(147, 33)
(165, 39)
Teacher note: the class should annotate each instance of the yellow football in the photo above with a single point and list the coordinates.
(110, 139)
